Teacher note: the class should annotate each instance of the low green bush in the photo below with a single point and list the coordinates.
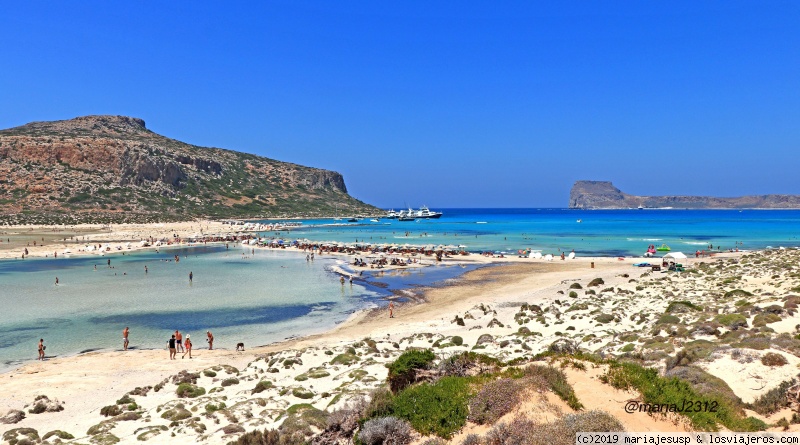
(189, 390)
(403, 371)
(657, 390)
(439, 408)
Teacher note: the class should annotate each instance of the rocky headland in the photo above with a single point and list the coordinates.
(102, 169)
(604, 195)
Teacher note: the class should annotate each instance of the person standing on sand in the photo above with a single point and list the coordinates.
(125, 333)
(210, 340)
(391, 309)
(171, 346)
(179, 341)
(41, 349)
(191, 275)
(56, 281)
(145, 270)
(188, 346)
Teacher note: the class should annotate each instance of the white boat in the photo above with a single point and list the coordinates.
(425, 213)
(391, 214)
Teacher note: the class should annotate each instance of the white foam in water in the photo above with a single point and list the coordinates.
(261, 299)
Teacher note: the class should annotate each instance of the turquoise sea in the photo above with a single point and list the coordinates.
(588, 232)
(272, 295)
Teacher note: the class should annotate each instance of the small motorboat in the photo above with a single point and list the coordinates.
(663, 248)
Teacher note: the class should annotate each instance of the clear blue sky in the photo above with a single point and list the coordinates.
(449, 104)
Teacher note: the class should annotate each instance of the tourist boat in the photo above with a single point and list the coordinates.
(425, 213)
(391, 214)
(352, 219)
(406, 218)
(663, 248)
(640, 207)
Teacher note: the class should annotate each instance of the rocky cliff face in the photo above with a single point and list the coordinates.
(112, 168)
(603, 195)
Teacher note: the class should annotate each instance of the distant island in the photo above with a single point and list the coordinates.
(603, 195)
(112, 169)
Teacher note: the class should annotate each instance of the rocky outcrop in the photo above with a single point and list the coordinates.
(112, 168)
(603, 195)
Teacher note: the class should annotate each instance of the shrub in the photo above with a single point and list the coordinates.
(773, 359)
(556, 381)
(665, 391)
(261, 387)
(575, 286)
(209, 373)
(345, 359)
(494, 400)
(110, 410)
(731, 321)
(458, 341)
(403, 371)
(266, 437)
(596, 282)
(189, 390)
(230, 381)
(385, 431)
(485, 338)
(682, 307)
(58, 433)
(604, 318)
(302, 393)
(471, 439)
(573, 294)
(668, 319)
(738, 293)
(380, 403)
(439, 408)
(772, 400)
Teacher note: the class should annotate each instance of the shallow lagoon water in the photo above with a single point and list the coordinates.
(240, 296)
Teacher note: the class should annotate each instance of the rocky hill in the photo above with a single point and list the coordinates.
(603, 195)
(113, 169)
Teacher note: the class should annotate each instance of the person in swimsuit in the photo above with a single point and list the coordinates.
(171, 346)
(41, 349)
(210, 340)
(391, 309)
(188, 344)
(179, 341)
(191, 275)
(125, 338)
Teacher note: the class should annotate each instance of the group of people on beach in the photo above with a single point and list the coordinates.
(176, 344)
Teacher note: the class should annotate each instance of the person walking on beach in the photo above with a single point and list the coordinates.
(145, 270)
(171, 346)
(41, 349)
(210, 340)
(391, 309)
(125, 333)
(56, 281)
(191, 275)
(188, 344)
(179, 341)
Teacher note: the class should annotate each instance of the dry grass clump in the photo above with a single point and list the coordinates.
(548, 377)
(772, 400)
(493, 401)
(560, 432)
(385, 431)
(773, 359)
